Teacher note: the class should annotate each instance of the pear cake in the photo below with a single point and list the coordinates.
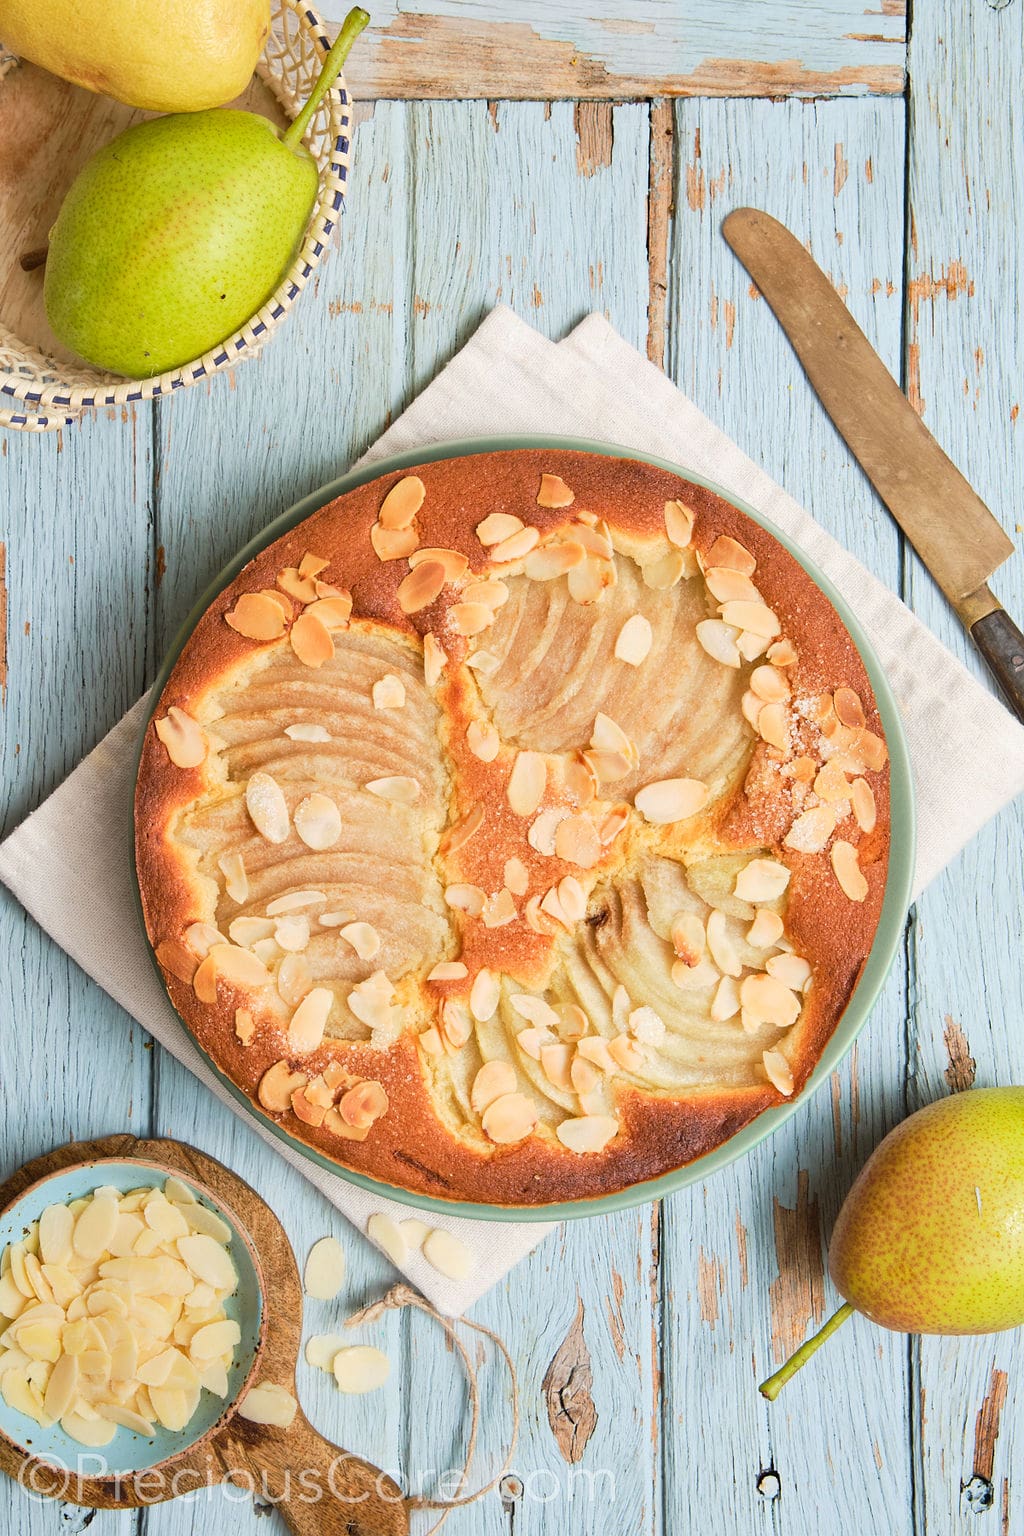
(515, 828)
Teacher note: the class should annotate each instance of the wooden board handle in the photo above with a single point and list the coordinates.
(1002, 645)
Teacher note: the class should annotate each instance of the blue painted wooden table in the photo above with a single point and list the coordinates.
(639, 1337)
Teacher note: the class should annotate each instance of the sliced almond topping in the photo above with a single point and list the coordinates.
(466, 898)
(778, 1071)
(277, 1085)
(679, 519)
(389, 1237)
(332, 612)
(688, 938)
(550, 904)
(606, 766)
(613, 825)
(527, 783)
(341, 1128)
(572, 899)
(609, 736)
(448, 1254)
(556, 1061)
(311, 641)
(792, 970)
(268, 1403)
(765, 930)
(725, 1004)
(848, 871)
(588, 1133)
(174, 957)
(483, 662)
(761, 880)
(728, 586)
(328, 589)
(723, 950)
(324, 1269)
(751, 646)
(434, 660)
(769, 1001)
(455, 564)
(534, 1009)
(294, 979)
(447, 970)
(670, 800)
(516, 876)
(398, 788)
(769, 684)
(245, 1026)
(588, 581)
(498, 526)
(719, 640)
(456, 1023)
(516, 547)
(402, 502)
(292, 933)
(499, 910)
(304, 732)
(728, 552)
(773, 726)
(483, 998)
(393, 543)
(647, 1026)
(757, 617)
(421, 587)
(553, 560)
(294, 901)
(577, 842)
(388, 692)
(470, 618)
(783, 653)
(662, 574)
(283, 602)
(872, 750)
(634, 640)
(554, 492)
(751, 707)
(694, 978)
(463, 830)
(363, 937)
(317, 820)
(430, 1041)
(301, 588)
(306, 1030)
(595, 538)
(583, 1074)
(204, 982)
(509, 1118)
(491, 592)
(256, 617)
(372, 1002)
(267, 807)
(862, 798)
(849, 708)
(831, 783)
(184, 739)
(306, 1109)
(493, 1081)
(541, 835)
(811, 830)
(363, 1104)
(201, 937)
(626, 1053)
(312, 565)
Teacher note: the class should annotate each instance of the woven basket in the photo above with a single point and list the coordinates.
(53, 394)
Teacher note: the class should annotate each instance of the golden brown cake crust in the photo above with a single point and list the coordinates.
(409, 1146)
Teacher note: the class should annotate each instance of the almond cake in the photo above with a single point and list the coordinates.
(515, 828)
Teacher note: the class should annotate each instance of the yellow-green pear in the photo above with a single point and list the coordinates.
(164, 55)
(930, 1238)
(173, 235)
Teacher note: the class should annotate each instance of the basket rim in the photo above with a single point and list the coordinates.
(249, 338)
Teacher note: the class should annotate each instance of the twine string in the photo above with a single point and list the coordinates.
(401, 1296)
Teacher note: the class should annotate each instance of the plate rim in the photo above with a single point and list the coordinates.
(899, 872)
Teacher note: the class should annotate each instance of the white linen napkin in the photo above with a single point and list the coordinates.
(967, 751)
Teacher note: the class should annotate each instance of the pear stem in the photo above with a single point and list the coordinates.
(774, 1385)
(351, 27)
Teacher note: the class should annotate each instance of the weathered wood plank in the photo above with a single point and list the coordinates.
(532, 50)
(743, 1254)
(964, 343)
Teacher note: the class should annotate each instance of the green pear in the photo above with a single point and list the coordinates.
(930, 1238)
(172, 236)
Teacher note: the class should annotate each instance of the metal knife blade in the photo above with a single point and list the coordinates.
(948, 524)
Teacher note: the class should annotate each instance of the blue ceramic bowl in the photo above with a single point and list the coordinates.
(129, 1452)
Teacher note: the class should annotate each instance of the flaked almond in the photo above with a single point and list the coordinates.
(627, 1053)
(294, 980)
(550, 904)
(778, 1071)
(393, 543)
(470, 618)
(312, 565)
(201, 937)
(455, 564)
(729, 552)
(388, 692)
(490, 591)
(466, 898)
(725, 1004)
(174, 957)
(465, 829)
(572, 899)
(556, 1062)
(498, 910)
(516, 547)
(448, 1254)
(613, 825)
(247, 931)
(727, 586)
(509, 1118)
(783, 653)
(720, 945)
(277, 1085)
(302, 588)
(245, 1025)
(434, 660)
(527, 783)
(421, 587)
(719, 640)
(534, 919)
(307, 1109)
(283, 602)
(311, 641)
(332, 612)
(256, 617)
(607, 735)
(294, 901)
(664, 573)
(871, 749)
(498, 526)
(769, 1001)
(671, 800)
(751, 707)
(270, 1404)
(389, 1237)
(688, 938)
(694, 978)
(792, 970)
(535, 1010)
(750, 646)
(341, 1128)
(494, 1080)
(765, 930)
(484, 662)
(267, 807)
(679, 519)
(773, 726)
(848, 708)
(862, 798)
(363, 937)
(399, 788)
(577, 842)
(307, 732)
(292, 933)
(769, 684)
(553, 560)
(589, 580)
(308, 1022)
(317, 820)
(848, 871)
(607, 766)
(584, 1075)
(402, 502)
(430, 1041)
(484, 995)
(757, 617)
(183, 738)
(447, 970)
(363, 1104)
(236, 881)
(456, 1023)
(811, 830)
(372, 1001)
(761, 880)
(541, 835)
(587, 1133)
(204, 982)
(831, 784)
(553, 492)
(634, 640)
(595, 539)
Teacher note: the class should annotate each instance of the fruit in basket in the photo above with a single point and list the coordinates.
(175, 234)
(174, 56)
(930, 1238)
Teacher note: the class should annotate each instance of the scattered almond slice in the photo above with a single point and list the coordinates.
(302, 588)
(311, 640)
(498, 526)
(792, 970)
(862, 799)
(769, 684)
(516, 547)
(689, 939)
(448, 970)
(363, 937)
(414, 1231)
(324, 1273)
(811, 830)
(725, 1004)
(402, 502)
(761, 880)
(778, 1071)
(498, 910)
(664, 573)
(572, 899)
(470, 618)
(456, 1023)
(331, 612)
(553, 560)
(765, 930)
(256, 616)
(577, 842)
(493, 1080)
(527, 783)
(398, 788)
(484, 995)
(756, 617)
(751, 646)
(769, 1001)
(465, 829)
(236, 883)
(321, 1350)
(448, 1254)
(679, 520)
(267, 807)
(556, 1062)
(534, 1009)
(633, 644)
(848, 871)
(646, 1026)
(387, 1234)
(455, 564)
(516, 876)
(720, 945)
(308, 1022)
(728, 586)
(553, 492)
(388, 692)
(490, 591)
(183, 738)
(277, 1085)
(294, 901)
(434, 660)
(421, 587)
(587, 1133)
(466, 898)
(393, 543)
(773, 727)
(726, 551)
(671, 800)
(268, 1404)
(508, 1119)
(245, 1027)
(317, 820)
(719, 640)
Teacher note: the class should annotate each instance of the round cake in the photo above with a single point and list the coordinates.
(515, 828)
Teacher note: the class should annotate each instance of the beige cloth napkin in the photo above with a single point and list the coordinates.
(967, 751)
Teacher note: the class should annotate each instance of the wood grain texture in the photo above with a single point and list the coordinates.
(487, 48)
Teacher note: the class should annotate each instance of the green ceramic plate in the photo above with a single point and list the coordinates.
(898, 881)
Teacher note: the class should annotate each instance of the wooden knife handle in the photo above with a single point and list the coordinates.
(1002, 645)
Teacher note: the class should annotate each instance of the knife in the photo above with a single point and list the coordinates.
(951, 528)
